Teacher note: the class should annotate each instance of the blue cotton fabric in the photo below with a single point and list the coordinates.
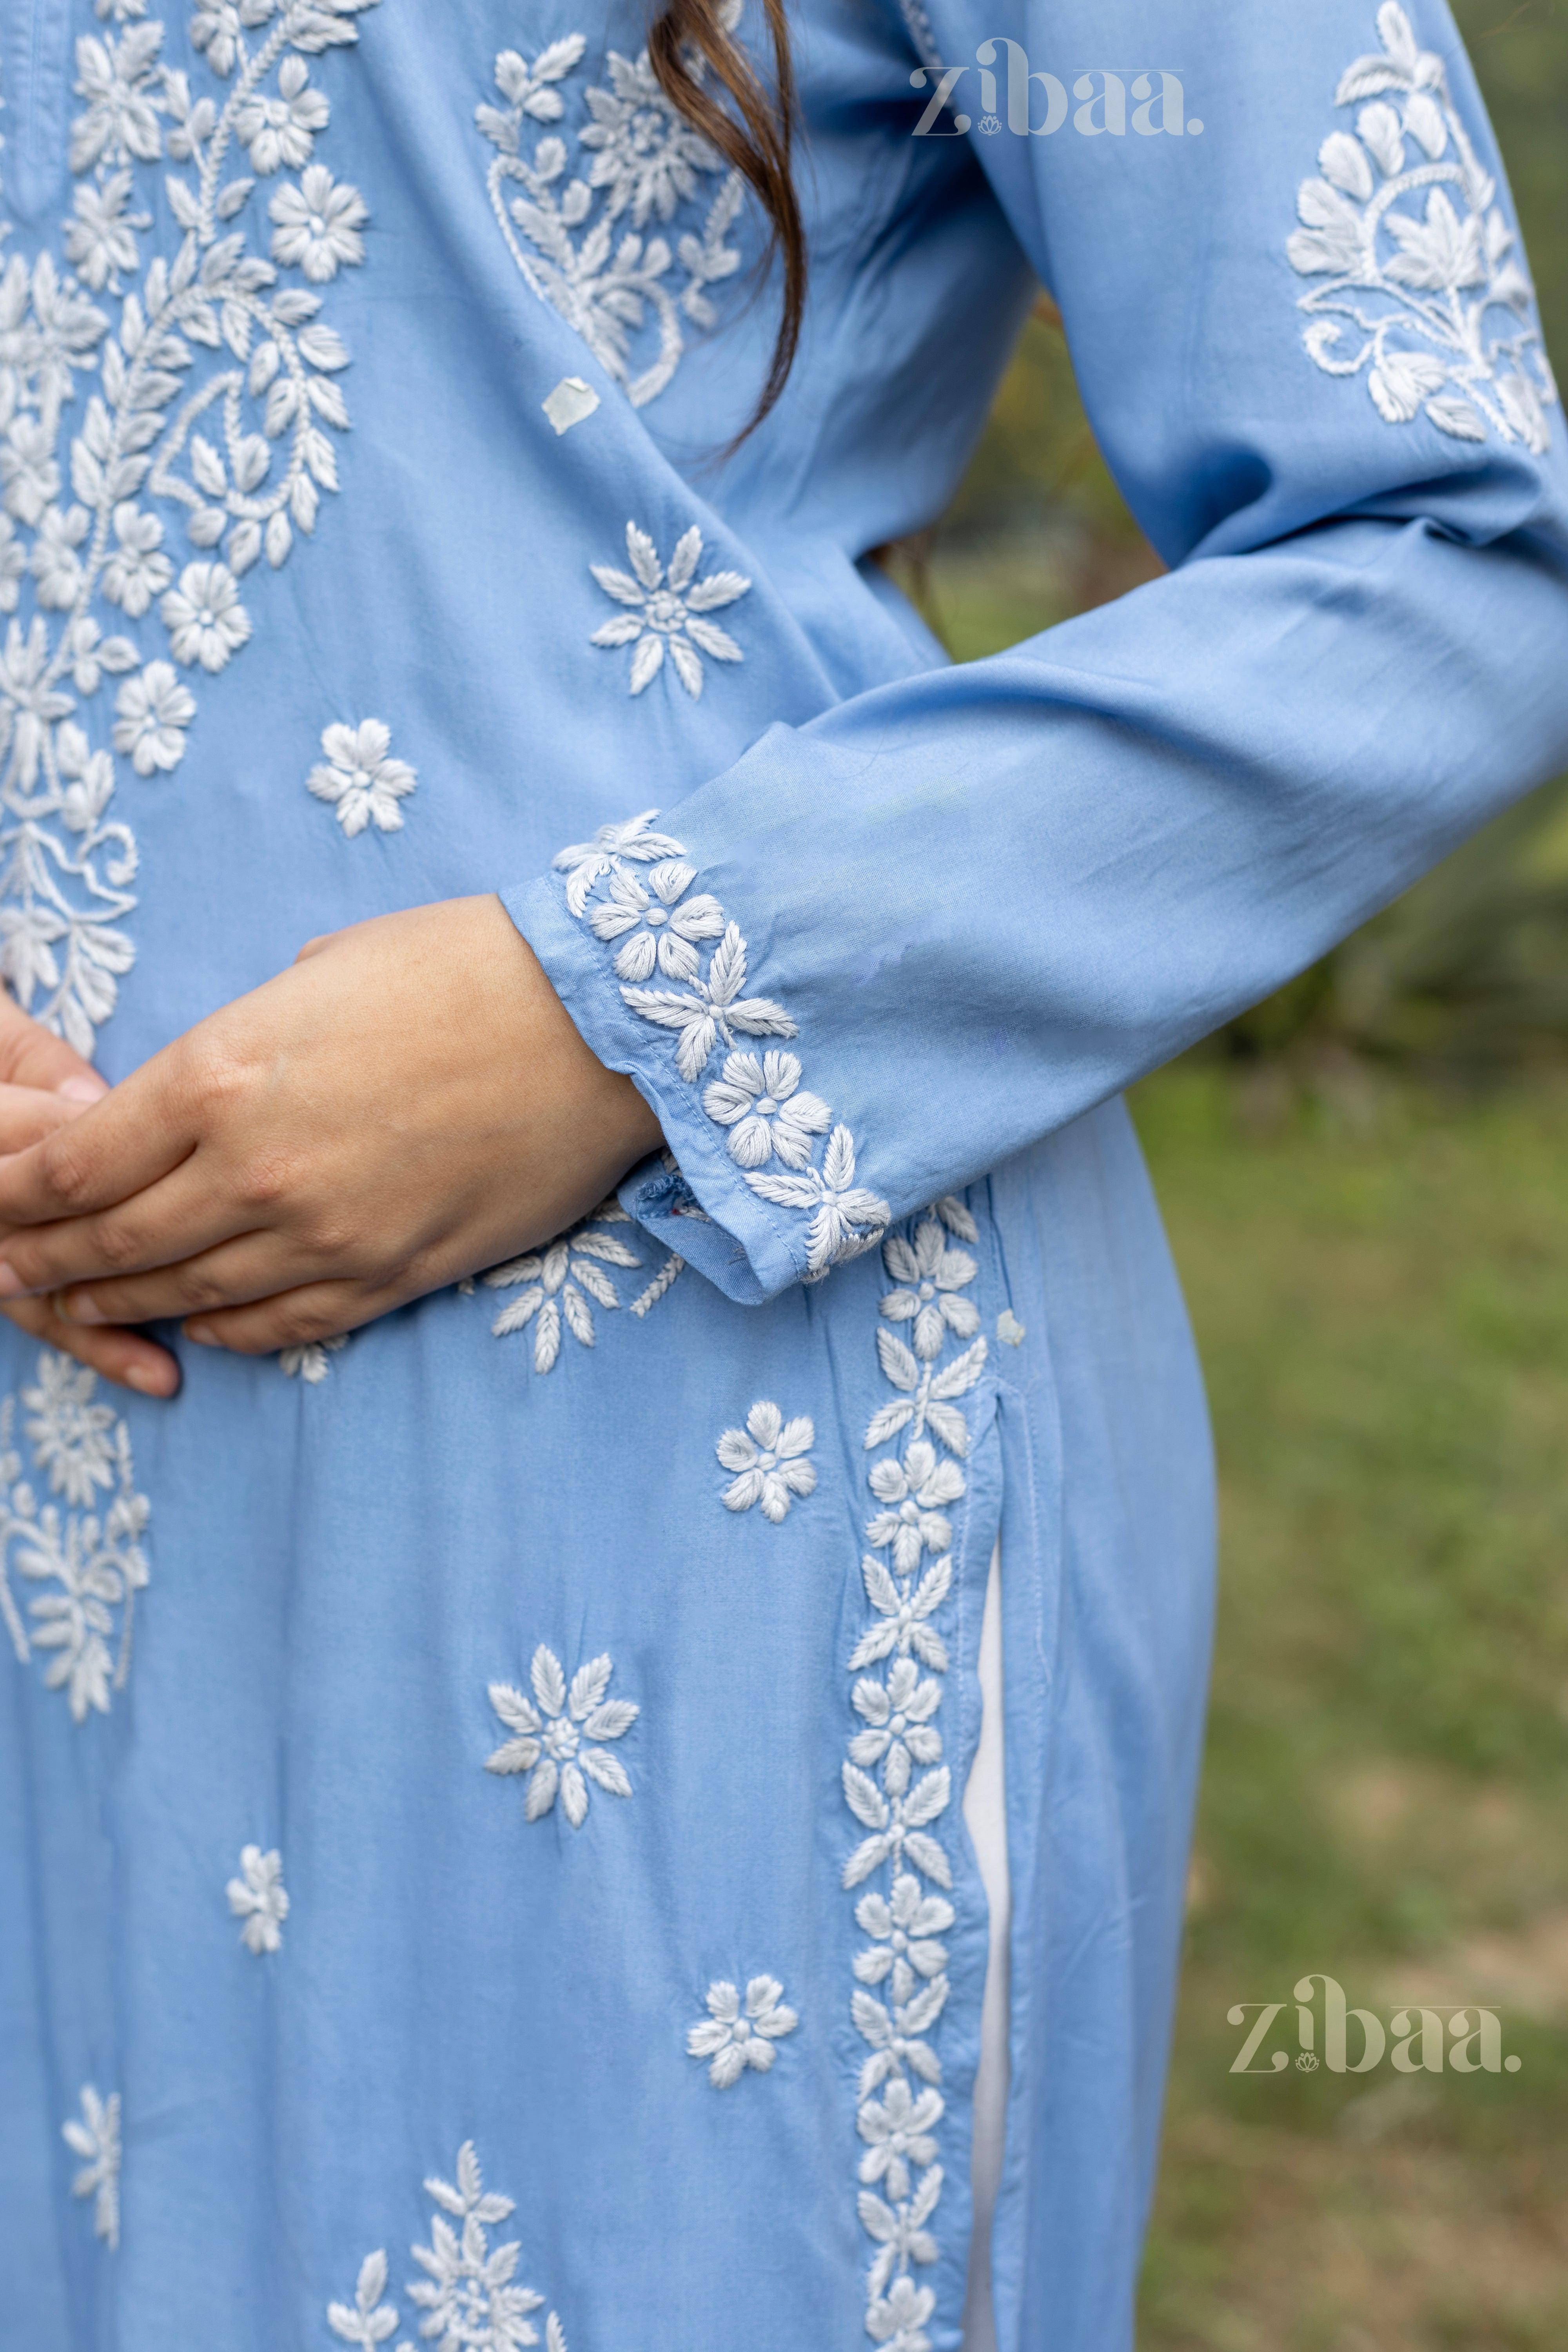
(676, 2048)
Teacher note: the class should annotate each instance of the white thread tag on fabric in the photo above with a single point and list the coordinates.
(571, 401)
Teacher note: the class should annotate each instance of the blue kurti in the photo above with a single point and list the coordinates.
(480, 1849)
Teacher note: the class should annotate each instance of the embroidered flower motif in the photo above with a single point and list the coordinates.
(761, 1104)
(914, 1491)
(931, 1277)
(899, 2232)
(216, 28)
(897, 1825)
(559, 1282)
(645, 161)
(281, 131)
(99, 241)
(153, 710)
(898, 2129)
(94, 1564)
(121, 124)
(359, 780)
(583, 863)
(898, 1713)
(313, 1362)
(472, 2304)
(136, 571)
(553, 1742)
(653, 926)
(898, 2320)
(96, 2139)
(732, 2039)
(260, 1897)
(904, 1926)
(929, 1393)
(318, 223)
(770, 1461)
(668, 612)
(1399, 278)
(205, 618)
(57, 560)
(72, 1438)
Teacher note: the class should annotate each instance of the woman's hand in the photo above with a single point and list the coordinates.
(409, 1103)
(43, 1087)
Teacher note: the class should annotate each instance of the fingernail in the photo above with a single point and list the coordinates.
(11, 1283)
(78, 1308)
(143, 1377)
(86, 1089)
(203, 1334)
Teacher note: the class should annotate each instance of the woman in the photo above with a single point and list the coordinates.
(483, 1854)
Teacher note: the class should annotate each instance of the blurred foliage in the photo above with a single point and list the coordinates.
(1469, 970)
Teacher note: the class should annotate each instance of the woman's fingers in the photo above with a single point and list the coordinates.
(150, 1124)
(28, 1114)
(181, 1217)
(123, 1357)
(31, 1057)
(234, 1273)
(294, 1319)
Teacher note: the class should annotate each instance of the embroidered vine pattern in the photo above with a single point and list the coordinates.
(895, 1783)
(1428, 301)
(468, 2294)
(584, 238)
(733, 2037)
(260, 1900)
(86, 1558)
(95, 2137)
(210, 386)
(769, 1457)
(557, 1735)
(711, 1009)
(669, 613)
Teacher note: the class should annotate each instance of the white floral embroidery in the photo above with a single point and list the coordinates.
(668, 610)
(1440, 312)
(765, 1110)
(260, 1899)
(646, 163)
(844, 1216)
(96, 2139)
(310, 1361)
(468, 2296)
(769, 1454)
(733, 2039)
(560, 1281)
(553, 1742)
(653, 926)
(895, 1784)
(94, 1564)
(208, 336)
(358, 779)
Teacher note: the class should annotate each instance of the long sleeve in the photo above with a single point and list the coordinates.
(914, 935)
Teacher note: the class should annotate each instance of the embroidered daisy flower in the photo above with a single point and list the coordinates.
(216, 28)
(318, 223)
(99, 241)
(96, 2139)
(153, 712)
(260, 1897)
(282, 130)
(359, 780)
(668, 612)
(897, 2321)
(559, 1282)
(761, 1104)
(896, 2129)
(28, 470)
(904, 1927)
(136, 571)
(734, 2040)
(653, 926)
(555, 1742)
(901, 2232)
(205, 618)
(901, 1733)
(931, 1277)
(648, 155)
(57, 564)
(914, 1491)
(71, 1435)
(122, 117)
(769, 1456)
(583, 863)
